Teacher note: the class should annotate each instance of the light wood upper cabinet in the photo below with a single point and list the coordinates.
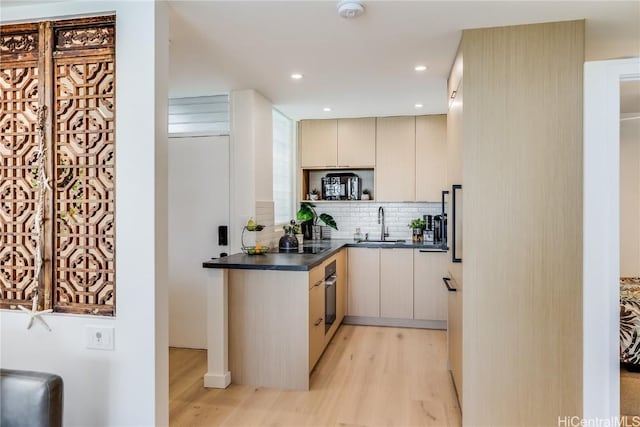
(357, 142)
(395, 159)
(396, 283)
(429, 292)
(318, 143)
(364, 282)
(431, 157)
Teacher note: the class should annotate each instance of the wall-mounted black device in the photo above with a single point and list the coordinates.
(223, 235)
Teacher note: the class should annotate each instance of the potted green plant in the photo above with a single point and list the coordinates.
(314, 194)
(417, 225)
(309, 218)
(366, 194)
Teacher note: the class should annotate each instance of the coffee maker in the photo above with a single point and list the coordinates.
(341, 186)
(428, 233)
(440, 229)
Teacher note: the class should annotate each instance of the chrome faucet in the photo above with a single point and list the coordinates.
(383, 233)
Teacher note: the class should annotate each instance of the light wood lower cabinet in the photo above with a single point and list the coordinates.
(316, 318)
(277, 323)
(396, 283)
(429, 292)
(364, 282)
(454, 335)
(343, 284)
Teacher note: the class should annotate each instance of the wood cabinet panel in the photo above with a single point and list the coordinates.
(341, 291)
(431, 157)
(364, 282)
(395, 159)
(454, 335)
(429, 292)
(523, 157)
(357, 142)
(318, 143)
(396, 283)
(316, 317)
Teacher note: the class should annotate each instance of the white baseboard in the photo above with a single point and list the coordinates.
(217, 381)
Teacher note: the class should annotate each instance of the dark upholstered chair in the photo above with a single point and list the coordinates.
(30, 399)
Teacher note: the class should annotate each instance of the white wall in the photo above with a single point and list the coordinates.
(128, 386)
(630, 198)
(251, 159)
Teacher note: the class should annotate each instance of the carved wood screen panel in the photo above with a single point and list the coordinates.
(71, 70)
(19, 101)
(84, 134)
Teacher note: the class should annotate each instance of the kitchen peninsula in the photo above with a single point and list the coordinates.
(282, 310)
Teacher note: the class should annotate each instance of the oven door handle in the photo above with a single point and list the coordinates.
(331, 280)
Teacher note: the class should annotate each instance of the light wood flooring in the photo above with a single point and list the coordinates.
(368, 376)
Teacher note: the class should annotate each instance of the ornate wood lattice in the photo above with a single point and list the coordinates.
(75, 60)
(19, 101)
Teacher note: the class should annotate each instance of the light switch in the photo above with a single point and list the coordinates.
(99, 337)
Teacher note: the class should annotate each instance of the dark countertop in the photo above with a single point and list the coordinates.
(306, 261)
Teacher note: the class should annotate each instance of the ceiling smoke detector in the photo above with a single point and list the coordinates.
(350, 8)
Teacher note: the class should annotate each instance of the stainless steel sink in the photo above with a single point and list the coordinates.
(382, 242)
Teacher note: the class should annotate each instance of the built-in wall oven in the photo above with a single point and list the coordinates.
(330, 280)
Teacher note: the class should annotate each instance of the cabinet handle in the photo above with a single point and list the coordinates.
(318, 283)
(454, 256)
(317, 322)
(446, 283)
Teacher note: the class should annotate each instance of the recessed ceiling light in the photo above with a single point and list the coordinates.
(296, 76)
(418, 105)
(327, 109)
(420, 68)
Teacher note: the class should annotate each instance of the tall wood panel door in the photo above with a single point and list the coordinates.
(318, 143)
(523, 158)
(395, 159)
(357, 142)
(431, 157)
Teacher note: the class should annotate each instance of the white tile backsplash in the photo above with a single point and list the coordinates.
(350, 215)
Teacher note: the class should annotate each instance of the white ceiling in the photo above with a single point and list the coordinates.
(361, 67)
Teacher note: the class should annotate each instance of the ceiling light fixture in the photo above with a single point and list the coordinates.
(296, 76)
(420, 68)
(350, 8)
(327, 109)
(418, 105)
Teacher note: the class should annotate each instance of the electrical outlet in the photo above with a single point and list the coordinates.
(99, 337)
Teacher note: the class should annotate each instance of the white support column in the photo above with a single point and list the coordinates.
(218, 375)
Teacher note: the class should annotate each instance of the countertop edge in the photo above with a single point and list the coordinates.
(311, 260)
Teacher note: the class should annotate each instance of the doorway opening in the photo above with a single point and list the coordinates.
(630, 248)
(601, 231)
